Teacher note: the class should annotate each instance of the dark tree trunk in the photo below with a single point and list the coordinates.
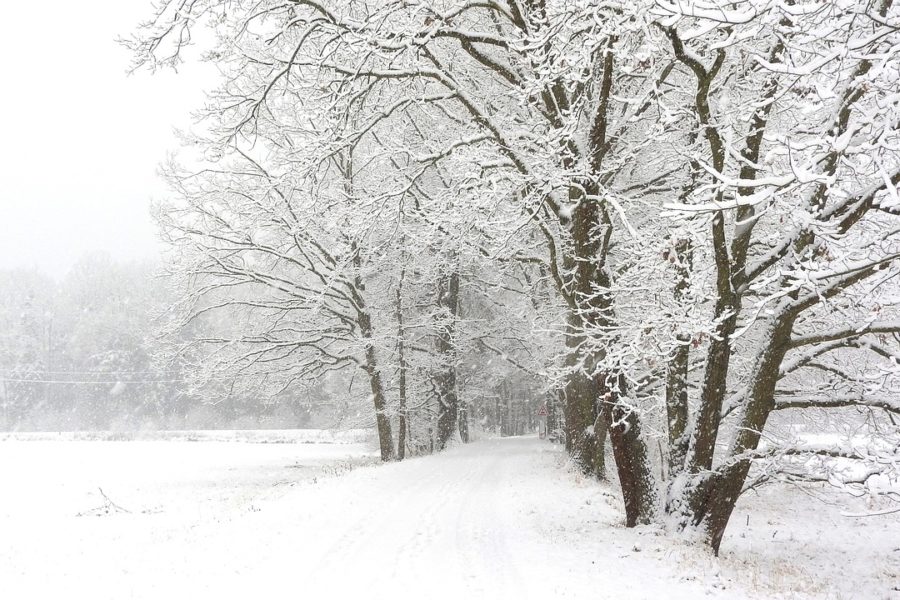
(402, 424)
(448, 401)
(382, 421)
(401, 365)
(591, 231)
(583, 440)
(553, 424)
(677, 406)
(630, 452)
(727, 486)
(677, 368)
(464, 423)
(364, 320)
(706, 427)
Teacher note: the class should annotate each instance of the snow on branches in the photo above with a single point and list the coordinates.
(692, 205)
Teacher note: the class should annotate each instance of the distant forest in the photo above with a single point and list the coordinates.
(99, 350)
(87, 352)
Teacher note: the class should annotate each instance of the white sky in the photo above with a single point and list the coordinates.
(81, 140)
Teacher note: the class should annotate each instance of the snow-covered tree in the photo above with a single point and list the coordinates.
(708, 189)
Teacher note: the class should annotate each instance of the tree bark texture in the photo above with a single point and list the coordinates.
(445, 381)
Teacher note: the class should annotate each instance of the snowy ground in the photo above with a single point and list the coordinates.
(495, 519)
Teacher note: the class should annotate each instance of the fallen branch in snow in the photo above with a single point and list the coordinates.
(877, 513)
(106, 508)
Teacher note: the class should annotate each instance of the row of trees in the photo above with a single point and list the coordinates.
(678, 219)
(86, 353)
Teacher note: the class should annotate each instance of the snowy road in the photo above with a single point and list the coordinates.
(452, 525)
(495, 519)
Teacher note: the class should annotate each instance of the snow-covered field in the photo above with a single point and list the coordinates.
(494, 519)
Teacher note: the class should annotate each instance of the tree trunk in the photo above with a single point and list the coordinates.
(710, 500)
(677, 406)
(581, 425)
(383, 423)
(401, 362)
(448, 401)
(591, 231)
(677, 368)
(553, 425)
(706, 427)
(728, 485)
(464, 423)
(364, 320)
(630, 452)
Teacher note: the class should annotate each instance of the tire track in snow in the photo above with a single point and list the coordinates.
(437, 523)
(386, 539)
(482, 524)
